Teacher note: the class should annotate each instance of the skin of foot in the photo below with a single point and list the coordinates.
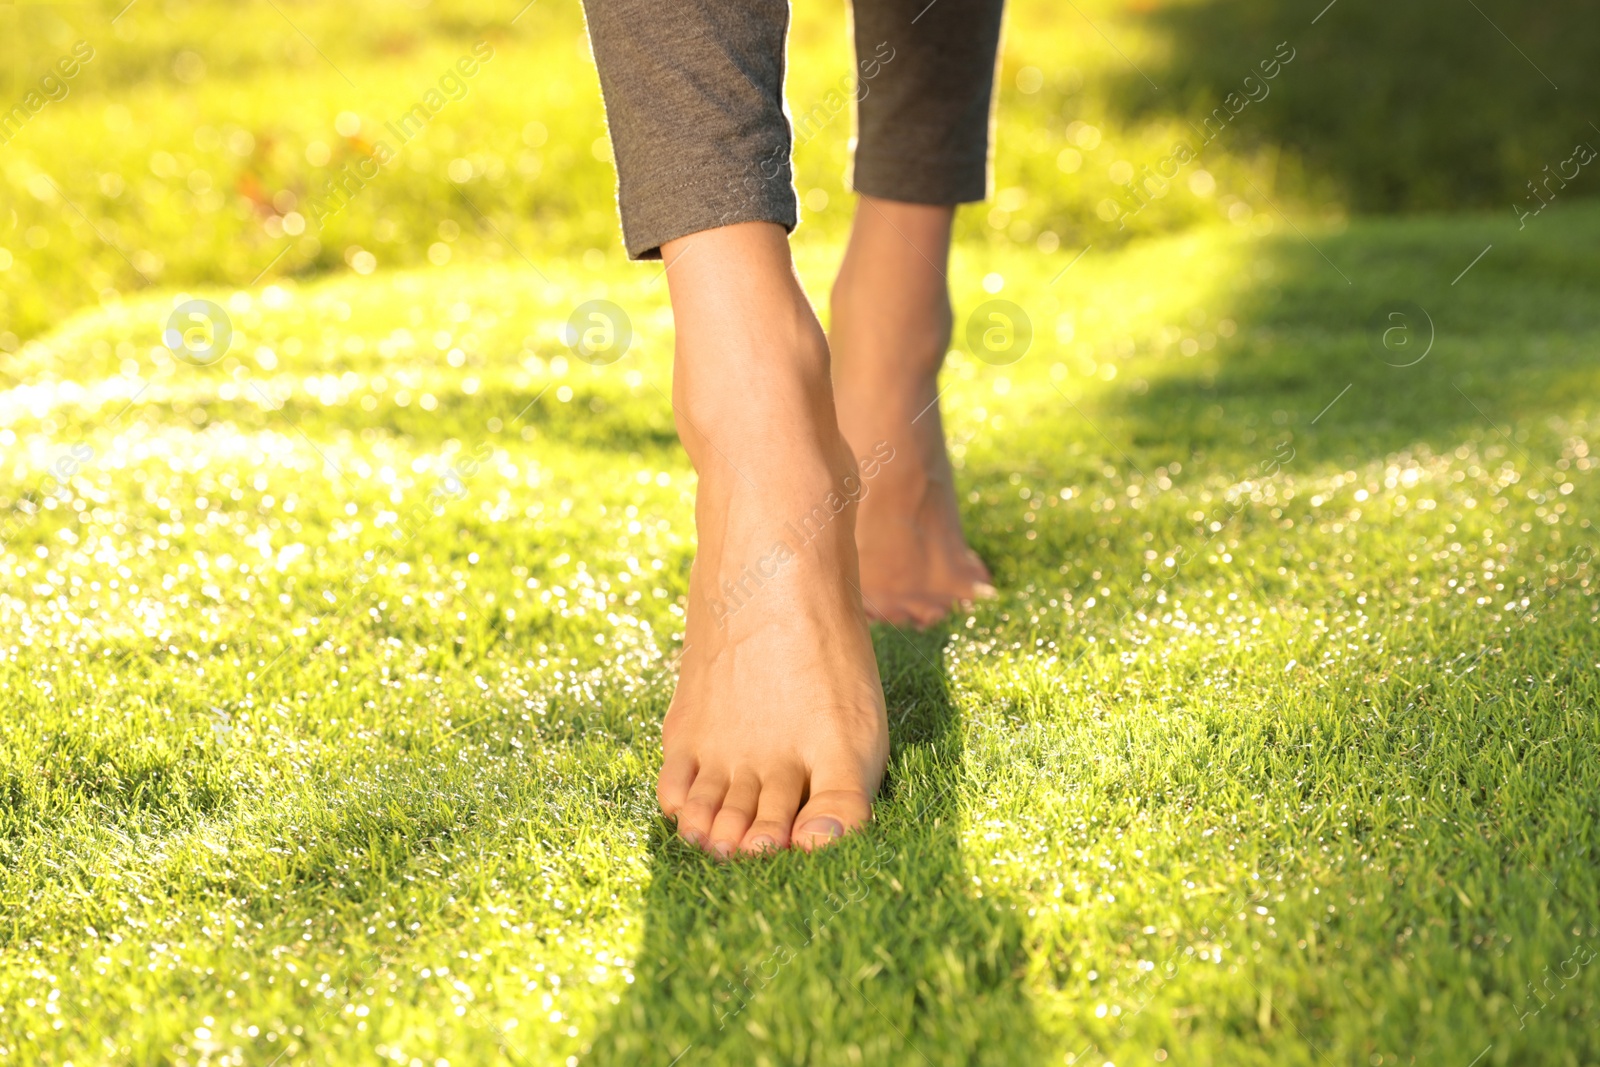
(890, 329)
(776, 734)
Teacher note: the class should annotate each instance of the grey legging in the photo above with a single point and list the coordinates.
(694, 98)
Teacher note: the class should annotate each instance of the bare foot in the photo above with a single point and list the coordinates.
(890, 330)
(776, 733)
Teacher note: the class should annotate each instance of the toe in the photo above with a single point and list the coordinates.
(738, 811)
(700, 809)
(831, 813)
(880, 607)
(978, 586)
(976, 583)
(893, 608)
(926, 611)
(978, 571)
(672, 787)
(780, 798)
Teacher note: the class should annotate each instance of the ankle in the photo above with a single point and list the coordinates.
(754, 386)
(764, 420)
(785, 478)
(874, 360)
(896, 265)
(888, 332)
(734, 292)
(751, 371)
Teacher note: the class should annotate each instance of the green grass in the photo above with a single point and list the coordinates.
(331, 675)
(1321, 790)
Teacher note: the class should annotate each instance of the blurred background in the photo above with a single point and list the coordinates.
(193, 140)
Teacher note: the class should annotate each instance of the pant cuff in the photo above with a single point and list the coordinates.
(668, 209)
(921, 180)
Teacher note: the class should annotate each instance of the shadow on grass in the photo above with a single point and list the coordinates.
(878, 950)
(1417, 106)
(1422, 701)
(1380, 338)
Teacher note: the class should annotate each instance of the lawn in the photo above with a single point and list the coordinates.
(333, 671)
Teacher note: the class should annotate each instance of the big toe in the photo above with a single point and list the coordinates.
(829, 814)
(974, 578)
(978, 590)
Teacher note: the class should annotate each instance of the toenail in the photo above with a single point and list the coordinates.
(723, 849)
(985, 591)
(823, 827)
(761, 844)
(695, 838)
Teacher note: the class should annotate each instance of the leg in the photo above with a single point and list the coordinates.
(890, 331)
(776, 733)
(779, 700)
(923, 148)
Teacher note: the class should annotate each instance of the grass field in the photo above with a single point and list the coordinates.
(333, 671)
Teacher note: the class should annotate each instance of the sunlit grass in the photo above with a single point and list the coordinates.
(332, 724)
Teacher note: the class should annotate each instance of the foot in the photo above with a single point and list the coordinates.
(890, 331)
(776, 734)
